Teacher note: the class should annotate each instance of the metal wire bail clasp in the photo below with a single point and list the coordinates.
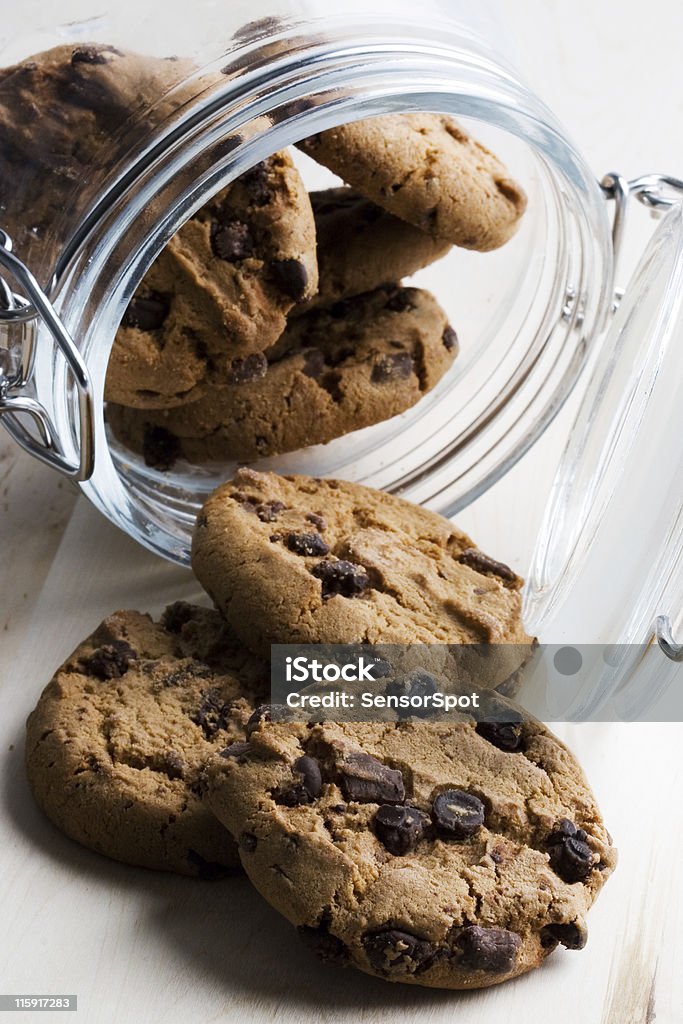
(22, 310)
(658, 192)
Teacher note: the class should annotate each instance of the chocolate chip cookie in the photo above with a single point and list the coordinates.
(422, 853)
(116, 743)
(62, 118)
(219, 293)
(334, 370)
(427, 170)
(361, 246)
(303, 560)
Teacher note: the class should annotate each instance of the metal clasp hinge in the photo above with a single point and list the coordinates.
(658, 192)
(32, 305)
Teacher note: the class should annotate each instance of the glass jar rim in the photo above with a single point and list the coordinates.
(482, 90)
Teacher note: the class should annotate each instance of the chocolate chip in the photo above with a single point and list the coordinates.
(160, 448)
(456, 814)
(415, 684)
(308, 786)
(207, 869)
(450, 340)
(309, 769)
(291, 277)
(176, 615)
(393, 951)
(505, 734)
(488, 949)
(266, 713)
(316, 520)
(257, 183)
(392, 367)
(306, 544)
(110, 661)
(212, 714)
(174, 765)
(252, 367)
(231, 241)
(399, 829)
(367, 781)
(93, 55)
(180, 676)
(314, 363)
(268, 511)
(239, 751)
(571, 936)
(481, 563)
(570, 855)
(344, 578)
(400, 301)
(247, 842)
(147, 312)
(325, 945)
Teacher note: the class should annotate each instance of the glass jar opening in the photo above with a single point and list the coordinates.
(525, 314)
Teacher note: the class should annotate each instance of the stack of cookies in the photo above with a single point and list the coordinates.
(276, 318)
(451, 852)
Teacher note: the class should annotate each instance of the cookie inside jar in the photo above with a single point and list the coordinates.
(394, 288)
(317, 302)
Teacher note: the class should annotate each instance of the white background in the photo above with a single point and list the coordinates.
(138, 946)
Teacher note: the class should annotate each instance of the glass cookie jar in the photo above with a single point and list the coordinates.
(242, 81)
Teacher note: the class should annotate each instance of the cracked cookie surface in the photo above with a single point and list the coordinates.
(418, 852)
(425, 169)
(305, 560)
(219, 292)
(334, 370)
(119, 736)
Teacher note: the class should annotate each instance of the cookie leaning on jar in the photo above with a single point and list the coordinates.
(305, 560)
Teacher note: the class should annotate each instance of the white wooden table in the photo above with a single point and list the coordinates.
(143, 947)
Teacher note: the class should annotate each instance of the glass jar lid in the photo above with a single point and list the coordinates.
(608, 565)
